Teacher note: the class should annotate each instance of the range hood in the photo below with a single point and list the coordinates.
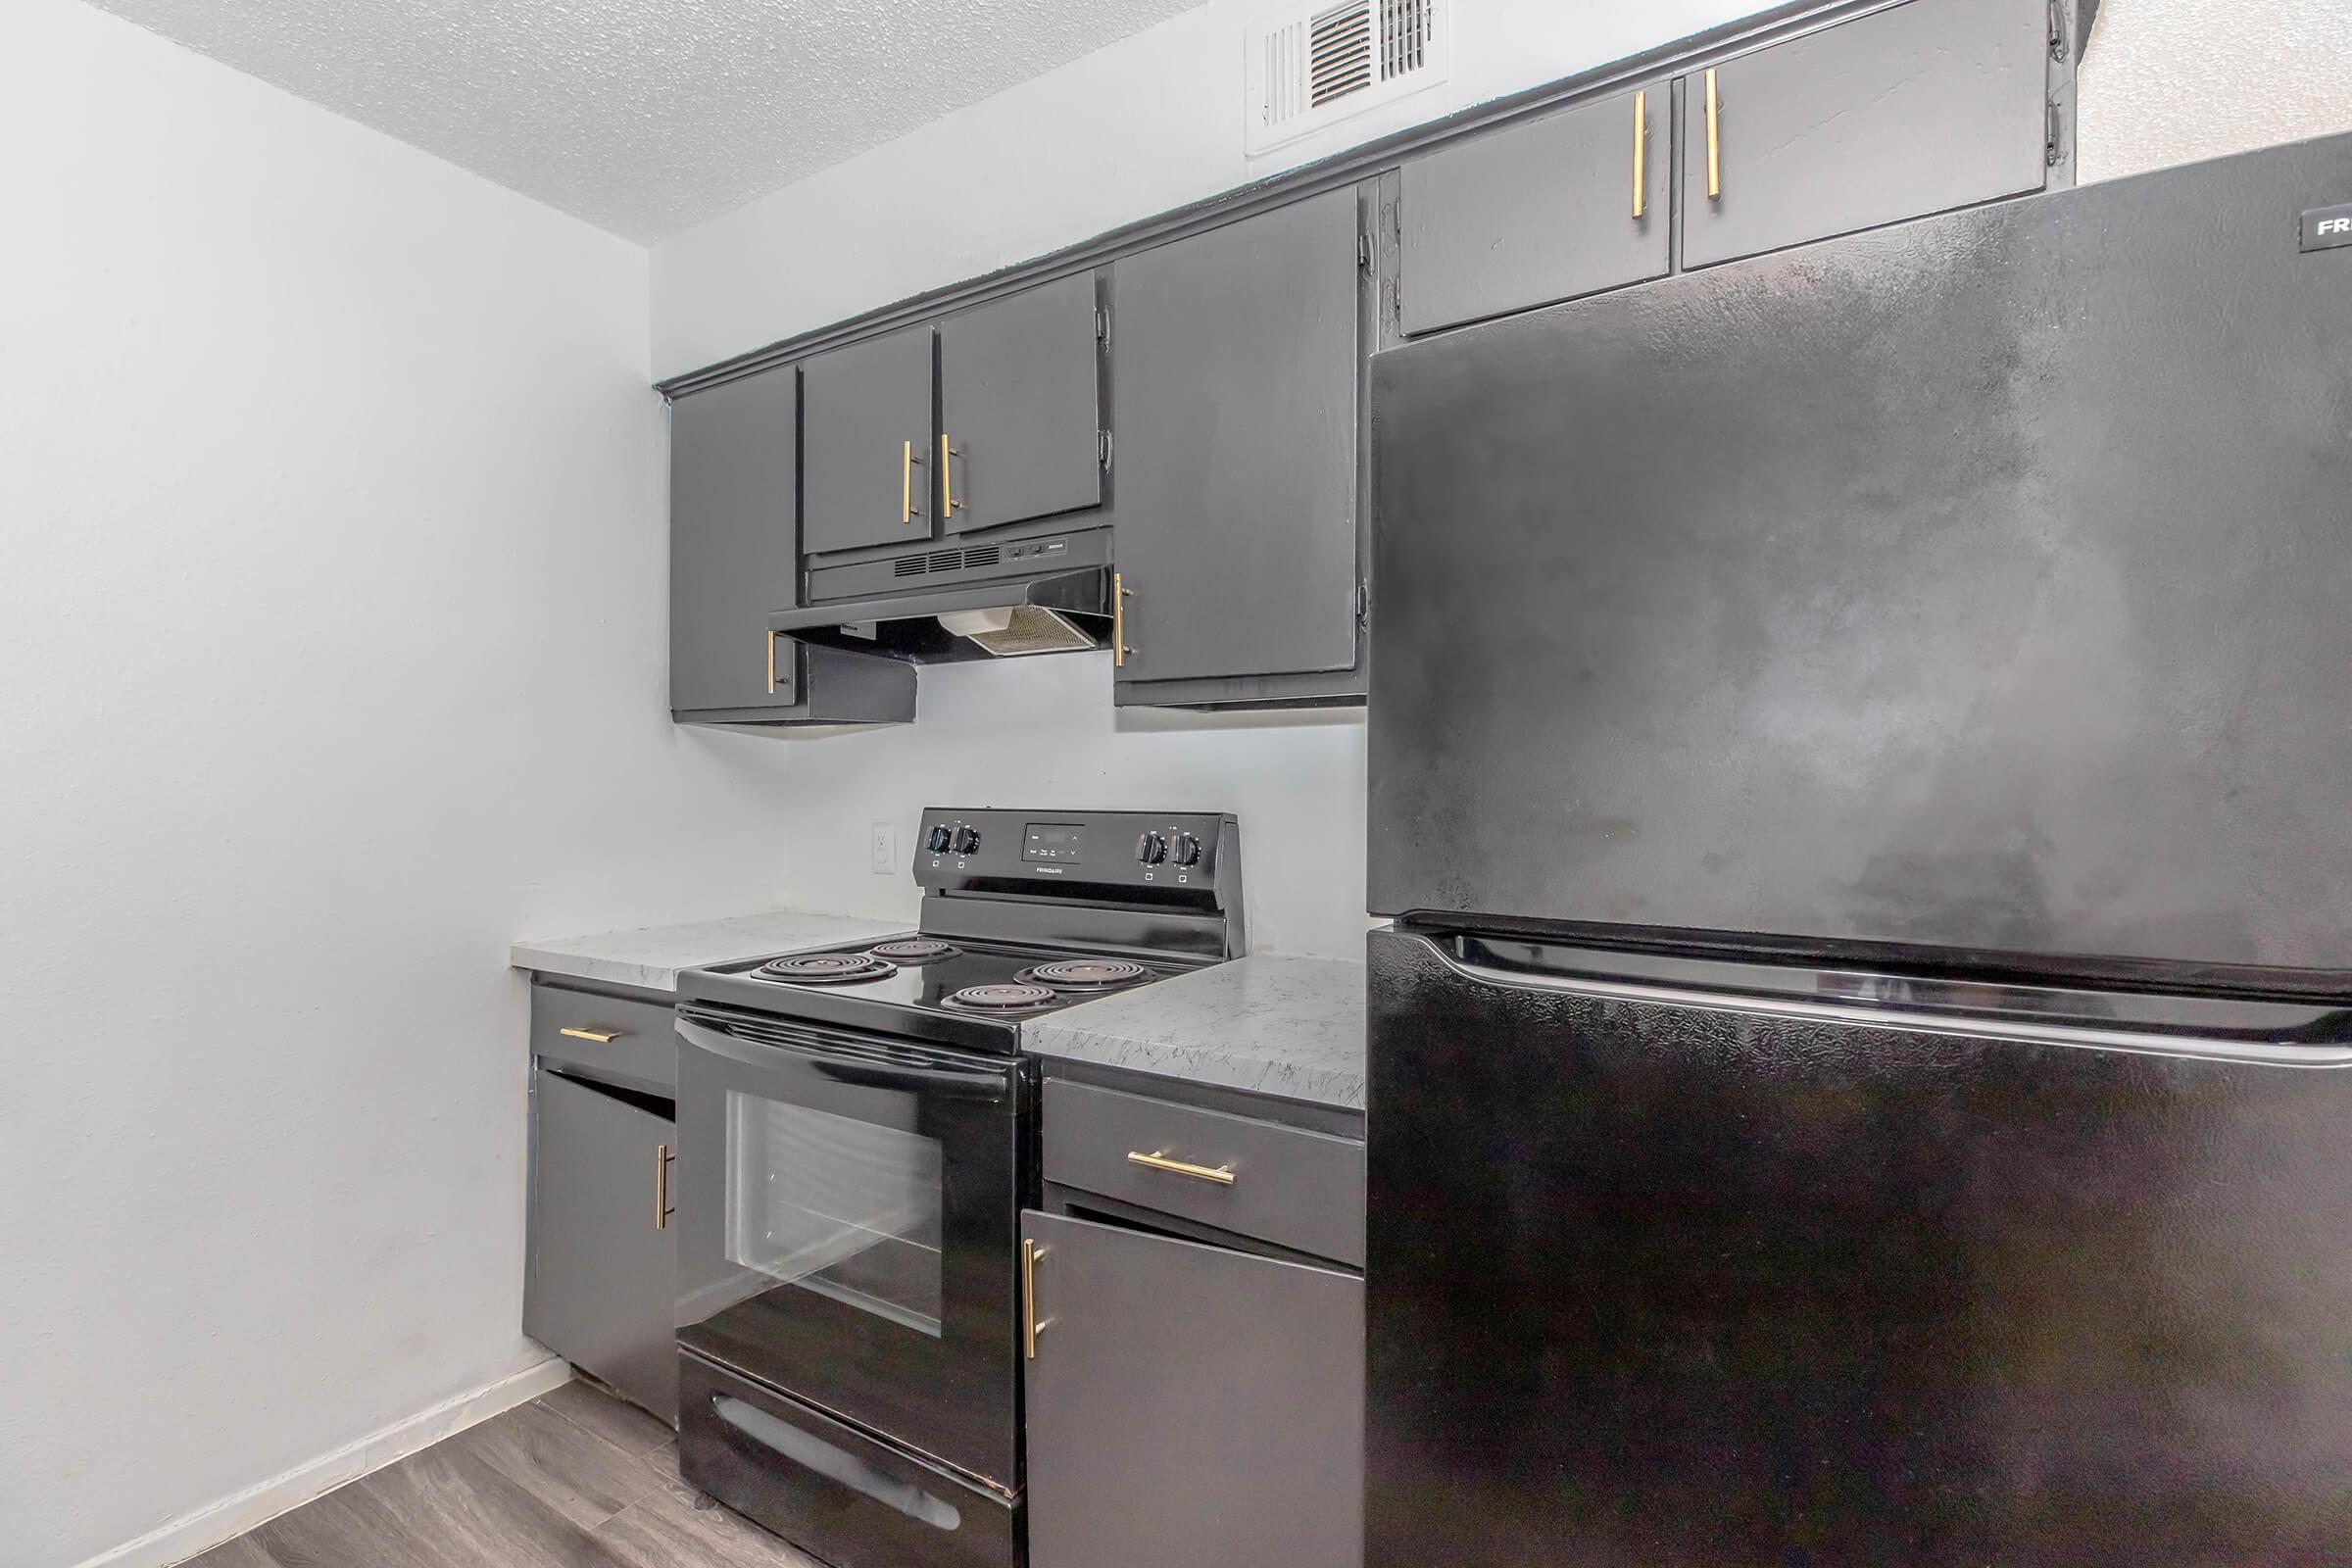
(1061, 609)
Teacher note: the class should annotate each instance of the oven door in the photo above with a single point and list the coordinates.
(848, 1227)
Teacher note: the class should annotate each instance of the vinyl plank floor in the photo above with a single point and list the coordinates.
(616, 1421)
(349, 1528)
(242, 1552)
(451, 1497)
(563, 1464)
(574, 1480)
(674, 1528)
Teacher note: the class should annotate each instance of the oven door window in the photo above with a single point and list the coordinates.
(845, 1206)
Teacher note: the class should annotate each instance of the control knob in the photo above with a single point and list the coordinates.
(1151, 849)
(967, 839)
(1188, 850)
(940, 840)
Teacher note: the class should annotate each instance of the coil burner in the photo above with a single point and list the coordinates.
(913, 950)
(825, 970)
(1001, 999)
(1084, 974)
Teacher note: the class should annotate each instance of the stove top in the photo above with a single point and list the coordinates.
(1024, 913)
(925, 975)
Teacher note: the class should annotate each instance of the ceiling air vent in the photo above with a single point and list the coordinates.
(1310, 68)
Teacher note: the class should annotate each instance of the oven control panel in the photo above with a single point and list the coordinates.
(1071, 852)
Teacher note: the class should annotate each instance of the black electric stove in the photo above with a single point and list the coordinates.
(857, 1135)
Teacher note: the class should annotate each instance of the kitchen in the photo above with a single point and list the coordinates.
(313, 1130)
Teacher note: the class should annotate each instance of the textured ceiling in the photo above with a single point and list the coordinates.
(645, 117)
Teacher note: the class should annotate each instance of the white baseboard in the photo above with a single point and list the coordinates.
(183, 1538)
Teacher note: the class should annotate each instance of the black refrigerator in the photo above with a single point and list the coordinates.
(1861, 772)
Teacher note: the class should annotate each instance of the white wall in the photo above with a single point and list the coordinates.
(1041, 732)
(333, 631)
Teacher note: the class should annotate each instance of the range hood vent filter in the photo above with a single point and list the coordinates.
(1020, 629)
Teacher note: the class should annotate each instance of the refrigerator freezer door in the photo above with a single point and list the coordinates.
(1664, 1279)
(1977, 583)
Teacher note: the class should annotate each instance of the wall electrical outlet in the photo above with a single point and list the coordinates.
(886, 848)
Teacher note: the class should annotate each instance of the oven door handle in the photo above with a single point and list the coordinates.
(859, 1073)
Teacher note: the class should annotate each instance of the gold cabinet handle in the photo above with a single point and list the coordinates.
(662, 1210)
(907, 483)
(1118, 622)
(1222, 1175)
(947, 479)
(1030, 1252)
(1640, 149)
(601, 1037)
(1714, 141)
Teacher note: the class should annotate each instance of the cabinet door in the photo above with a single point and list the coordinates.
(1020, 405)
(733, 556)
(1929, 106)
(1190, 1405)
(1539, 212)
(603, 1269)
(1239, 352)
(868, 418)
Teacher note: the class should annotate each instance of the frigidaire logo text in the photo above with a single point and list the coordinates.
(2337, 225)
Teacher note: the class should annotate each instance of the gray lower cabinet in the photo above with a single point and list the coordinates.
(866, 416)
(1237, 357)
(1917, 109)
(602, 1266)
(1570, 204)
(733, 552)
(1190, 1405)
(1020, 406)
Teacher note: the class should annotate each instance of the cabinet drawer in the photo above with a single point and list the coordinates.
(1296, 1189)
(643, 1050)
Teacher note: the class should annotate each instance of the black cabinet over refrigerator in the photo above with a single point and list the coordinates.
(1858, 759)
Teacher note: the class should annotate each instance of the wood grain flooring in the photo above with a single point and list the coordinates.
(576, 1479)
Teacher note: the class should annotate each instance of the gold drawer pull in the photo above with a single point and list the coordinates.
(1030, 1253)
(662, 1204)
(601, 1039)
(1640, 149)
(1222, 1175)
(1714, 141)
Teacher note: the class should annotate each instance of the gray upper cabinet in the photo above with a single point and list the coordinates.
(1021, 407)
(867, 434)
(1570, 204)
(1238, 359)
(1190, 1405)
(600, 1287)
(733, 557)
(1926, 106)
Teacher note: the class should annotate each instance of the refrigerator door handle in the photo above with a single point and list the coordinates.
(2193, 1047)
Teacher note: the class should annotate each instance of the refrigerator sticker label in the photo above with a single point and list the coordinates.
(2327, 227)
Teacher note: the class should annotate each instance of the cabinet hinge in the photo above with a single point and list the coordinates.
(1103, 446)
(2058, 30)
(2053, 151)
(1363, 252)
(1364, 602)
(1102, 327)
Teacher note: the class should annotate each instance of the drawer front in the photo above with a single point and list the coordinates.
(642, 1051)
(1295, 1189)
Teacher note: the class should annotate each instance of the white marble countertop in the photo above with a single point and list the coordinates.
(651, 958)
(1269, 1024)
